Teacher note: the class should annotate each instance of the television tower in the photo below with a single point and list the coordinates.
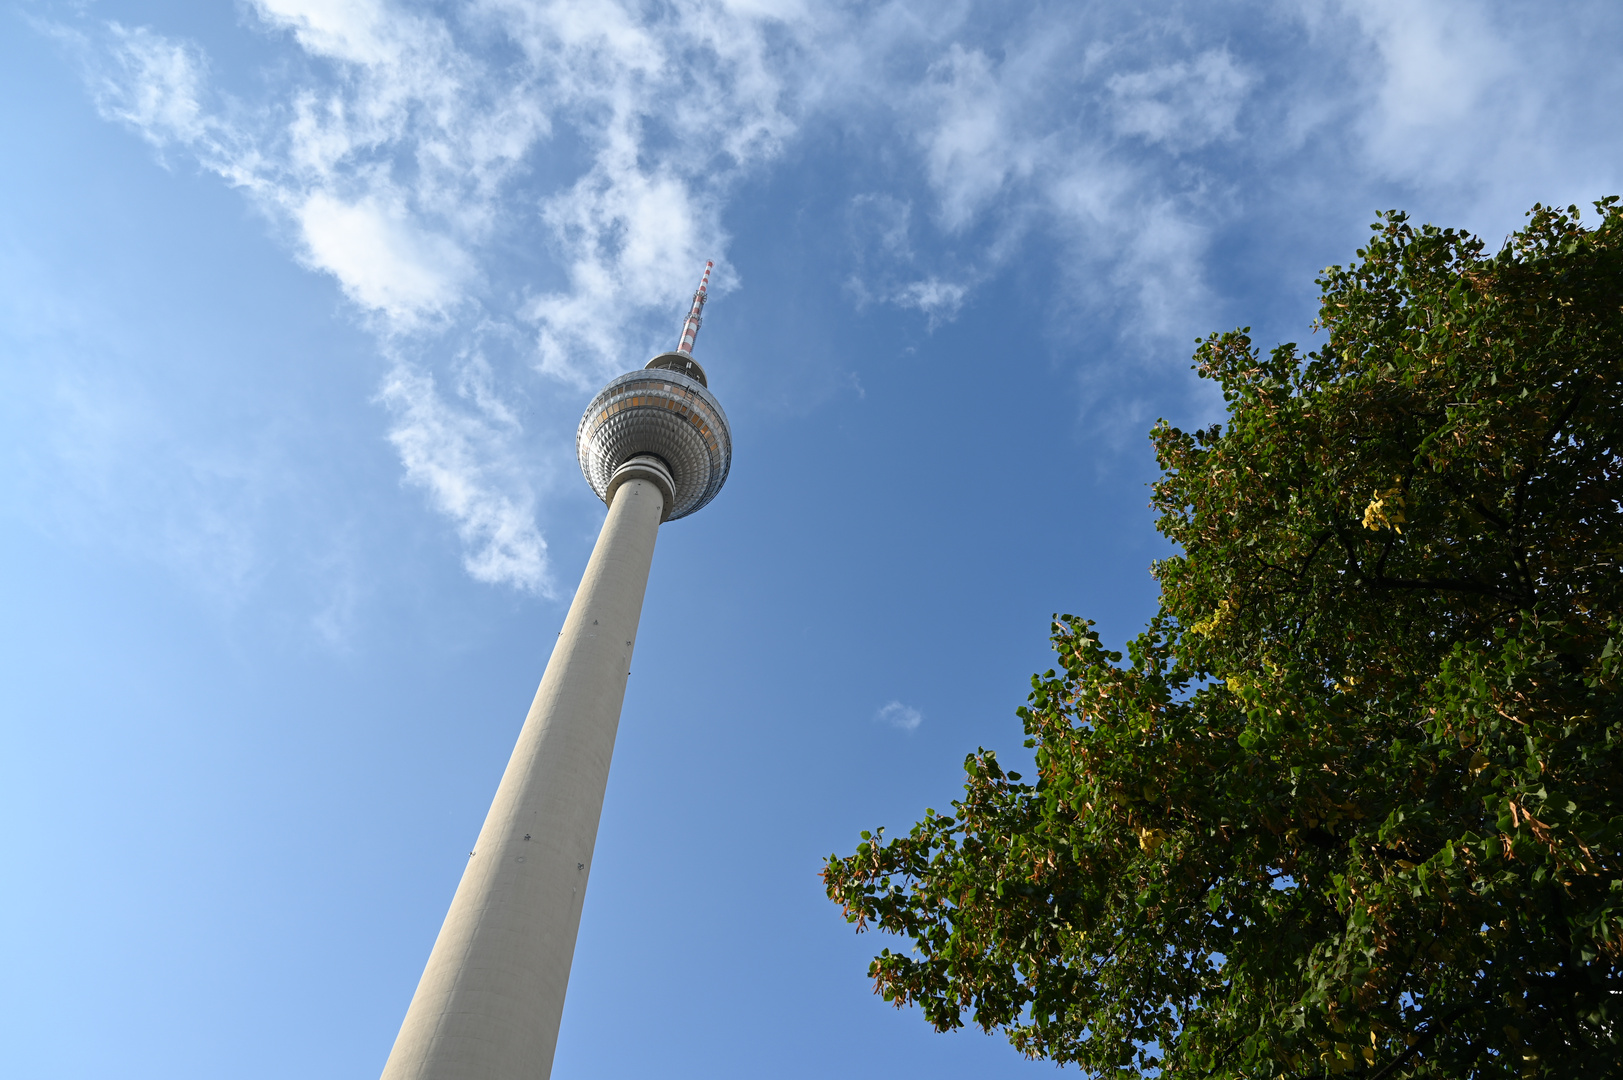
(655, 446)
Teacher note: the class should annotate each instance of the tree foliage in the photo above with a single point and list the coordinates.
(1351, 804)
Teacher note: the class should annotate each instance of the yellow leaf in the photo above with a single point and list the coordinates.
(1385, 511)
(1205, 626)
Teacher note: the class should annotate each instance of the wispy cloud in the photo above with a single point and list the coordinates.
(458, 457)
(1185, 103)
(411, 152)
(152, 84)
(897, 715)
(400, 172)
(938, 299)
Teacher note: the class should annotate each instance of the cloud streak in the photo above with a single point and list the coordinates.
(457, 457)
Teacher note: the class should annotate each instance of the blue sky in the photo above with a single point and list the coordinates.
(300, 303)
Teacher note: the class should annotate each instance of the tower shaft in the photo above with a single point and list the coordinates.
(490, 999)
(655, 446)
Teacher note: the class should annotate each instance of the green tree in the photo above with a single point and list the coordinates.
(1351, 805)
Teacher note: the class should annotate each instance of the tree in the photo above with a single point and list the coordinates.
(1351, 805)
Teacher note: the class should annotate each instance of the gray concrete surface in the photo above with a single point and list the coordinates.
(490, 999)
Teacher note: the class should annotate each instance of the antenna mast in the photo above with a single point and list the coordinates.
(690, 325)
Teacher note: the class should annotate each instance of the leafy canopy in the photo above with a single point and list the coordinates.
(1351, 805)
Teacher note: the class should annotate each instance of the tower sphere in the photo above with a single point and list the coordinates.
(665, 411)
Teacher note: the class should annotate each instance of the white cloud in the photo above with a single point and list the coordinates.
(972, 139)
(900, 716)
(636, 244)
(1185, 104)
(381, 258)
(424, 148)
(685, 103)
(1483, 108)
(355, 31)
(938, 299)
(459, 457)
(1439, 62)
(1034, 141)
(396, 174)
(152, 84)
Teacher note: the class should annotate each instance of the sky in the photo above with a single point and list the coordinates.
(301, 301)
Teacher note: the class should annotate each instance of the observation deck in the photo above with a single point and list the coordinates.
(665, 412)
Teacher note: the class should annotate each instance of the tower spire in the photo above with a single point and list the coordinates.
(690, 325)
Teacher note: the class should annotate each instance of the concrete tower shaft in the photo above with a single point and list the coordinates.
(491, 997)
(654, 445)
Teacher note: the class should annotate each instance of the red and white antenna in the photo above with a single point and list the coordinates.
(690, 326)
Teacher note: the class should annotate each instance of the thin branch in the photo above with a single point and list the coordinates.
(1415, 1048)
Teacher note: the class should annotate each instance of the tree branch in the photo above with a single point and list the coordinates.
(1430, 1034)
